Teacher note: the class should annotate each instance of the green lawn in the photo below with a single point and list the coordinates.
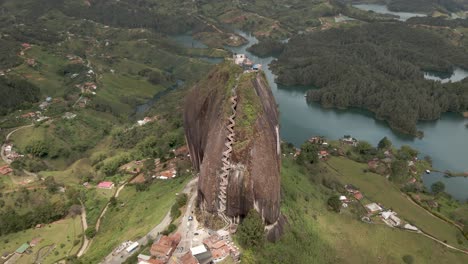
(317, 234)
(61, 232)
(139, 214)
(378, 189)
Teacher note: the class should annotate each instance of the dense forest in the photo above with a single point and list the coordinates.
(426, 5)
(267, 48)
(439, 21)
(16, 93)
(377, 67)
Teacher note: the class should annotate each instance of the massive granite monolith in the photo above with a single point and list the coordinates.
(231, 127)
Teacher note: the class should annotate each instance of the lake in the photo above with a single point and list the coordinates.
(445, 140)
(383, 9)
(457, 75)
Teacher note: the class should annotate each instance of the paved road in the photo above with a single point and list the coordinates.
(189, 189)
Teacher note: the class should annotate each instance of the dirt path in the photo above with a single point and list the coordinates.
(84, 224)
(84, 247)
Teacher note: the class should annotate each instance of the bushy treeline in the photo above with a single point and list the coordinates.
(267, 48)
(426, 5)
(377, 67)
(439, 21)
(11, 221)
(16, 93)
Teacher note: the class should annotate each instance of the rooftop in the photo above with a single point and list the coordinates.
(198, 250)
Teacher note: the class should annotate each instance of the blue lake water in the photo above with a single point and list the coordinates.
(383, 9)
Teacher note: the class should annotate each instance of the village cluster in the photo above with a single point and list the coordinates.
(374, 209)
(214, 246)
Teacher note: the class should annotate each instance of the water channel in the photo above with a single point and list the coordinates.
(383, 9)
(445, 140)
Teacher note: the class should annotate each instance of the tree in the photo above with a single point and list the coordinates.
(384, 143)
(437, 187)
(90, 232)
(407, 153)
(364, 147)
(399, 171)
(408, 259)
(309, 154)
(37, 149)
(51, 185)
(251, 231)
(335, 203)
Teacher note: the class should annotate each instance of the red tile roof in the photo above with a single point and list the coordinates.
(358, 195)
(5, 170)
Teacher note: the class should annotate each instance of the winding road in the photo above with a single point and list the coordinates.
(189, 189)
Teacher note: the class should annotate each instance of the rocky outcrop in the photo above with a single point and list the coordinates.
(231, 125)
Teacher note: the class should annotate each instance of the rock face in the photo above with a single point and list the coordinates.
(253, 167)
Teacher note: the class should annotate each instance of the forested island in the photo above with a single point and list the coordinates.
(378, 67)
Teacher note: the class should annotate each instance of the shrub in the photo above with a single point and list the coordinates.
(408, 259)
(335, 203)
(251, 232)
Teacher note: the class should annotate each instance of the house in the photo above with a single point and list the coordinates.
(323, 154)
(239, 59)
(343, 199)
(202, 254)
(358, 195)
(257, 67)
(223, 234)
(188, 258)
(317, 140)
(143, 257)
(390, 218)
(372, 164)
(22, 248)
(106, 185)
(167, 174)
(347, 139)
(69, 115)
(35, 241)
(4, 170)
(351, 188)
(26, 45)
(165, 246)
(373, 208)
(29, 115)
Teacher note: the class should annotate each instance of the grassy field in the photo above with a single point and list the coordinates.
(141, 211)
(317, 234)
(64, 234)
(378, 189)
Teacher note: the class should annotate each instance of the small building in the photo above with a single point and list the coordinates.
(201, 254)
(410, 227)
(69, 115)
(4, 170)
(351, 188)
(35, 241)
(396, 221)
(165, 247)
(358, 195)
(373, 208)
(106, 185)
(432, 203)
(188, 258)
(323, 154)
(22, 248)
(167, 174)
(257, 67)
(143, 257)
(343, 198)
